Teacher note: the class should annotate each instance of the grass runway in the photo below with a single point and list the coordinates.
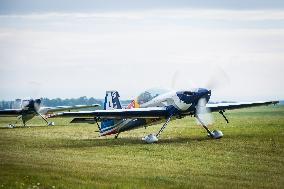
(250, 155)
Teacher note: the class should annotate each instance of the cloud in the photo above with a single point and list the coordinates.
(199, 14)
(76, 54)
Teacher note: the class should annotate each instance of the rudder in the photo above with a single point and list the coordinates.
(111, 102)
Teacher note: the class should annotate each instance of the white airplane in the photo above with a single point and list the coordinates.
(156, 106)
(31, 108)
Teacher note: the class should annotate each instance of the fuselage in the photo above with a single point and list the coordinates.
(181, 103)
(29, 109)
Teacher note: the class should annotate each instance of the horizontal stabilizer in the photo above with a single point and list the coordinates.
(83, 120)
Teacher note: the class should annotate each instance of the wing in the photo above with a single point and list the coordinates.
(10, 113)
(231, 106)
(49, 110)
(157, 112)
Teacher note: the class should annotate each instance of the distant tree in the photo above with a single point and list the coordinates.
(70, 102)
(58, 102)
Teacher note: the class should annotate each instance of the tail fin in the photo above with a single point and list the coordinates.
(111, 102)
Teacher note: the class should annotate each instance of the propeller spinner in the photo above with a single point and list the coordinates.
(205, 118)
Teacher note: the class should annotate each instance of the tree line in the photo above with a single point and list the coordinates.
(4, 104)
(71, 101)
(60, 102)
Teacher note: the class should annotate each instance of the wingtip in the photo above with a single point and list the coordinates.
(55, 115)
(275, 102)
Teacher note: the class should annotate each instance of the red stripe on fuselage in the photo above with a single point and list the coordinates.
(114, 131)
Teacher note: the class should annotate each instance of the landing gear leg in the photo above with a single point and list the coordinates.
(18, 118)
(48, 123)
(213, 134)
(43, 118)
(116, 135)
(163, 127)
(24, 123)
(222, 113)
(14, 125)
(151, 138)
(98, 125)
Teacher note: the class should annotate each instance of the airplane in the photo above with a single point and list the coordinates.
(32, 107)
(156, 106)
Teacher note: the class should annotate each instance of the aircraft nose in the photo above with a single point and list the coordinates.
(31, 102)
(204, 93)
(38, 101)
(37, 104)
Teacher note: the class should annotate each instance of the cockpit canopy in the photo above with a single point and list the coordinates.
(148, 95)
(25, 103)
(188, 93)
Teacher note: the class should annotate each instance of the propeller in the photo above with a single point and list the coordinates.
(204, 118)
(218, 79)
(213, 81)
(174, 79)
(211, 78)
(34, 88)
(180, 81)
(37, 103)
(203, 113)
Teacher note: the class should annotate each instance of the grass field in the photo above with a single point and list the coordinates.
(250, 155)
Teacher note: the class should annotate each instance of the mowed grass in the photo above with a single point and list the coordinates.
(250, 155)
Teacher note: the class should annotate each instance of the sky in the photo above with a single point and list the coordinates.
(83, 48)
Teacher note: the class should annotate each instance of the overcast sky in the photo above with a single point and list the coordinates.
(83, 48)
